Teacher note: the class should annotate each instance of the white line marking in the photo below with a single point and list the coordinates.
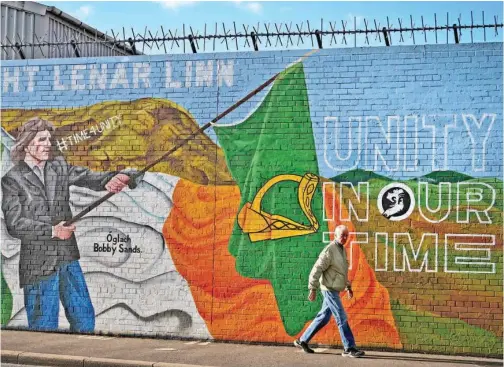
(167, 349)
(206, 343)
(190, 343)
(95, 337)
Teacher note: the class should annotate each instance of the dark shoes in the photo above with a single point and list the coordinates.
(304, 346)
(350, 352)
(353, 352)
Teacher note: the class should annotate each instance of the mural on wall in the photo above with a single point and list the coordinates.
(218, 239)
(121, 245)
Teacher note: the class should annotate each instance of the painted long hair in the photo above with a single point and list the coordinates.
(26, 134)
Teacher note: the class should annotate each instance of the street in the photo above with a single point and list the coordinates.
(87, 349)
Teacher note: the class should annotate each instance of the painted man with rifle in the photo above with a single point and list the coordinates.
(35, 202)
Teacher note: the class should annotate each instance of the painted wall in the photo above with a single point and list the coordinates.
(403, 145)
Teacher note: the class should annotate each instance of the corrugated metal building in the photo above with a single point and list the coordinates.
(26, 22)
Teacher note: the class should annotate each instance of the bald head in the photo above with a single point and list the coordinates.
(341, 234)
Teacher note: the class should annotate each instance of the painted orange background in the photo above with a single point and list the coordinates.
(197, 232)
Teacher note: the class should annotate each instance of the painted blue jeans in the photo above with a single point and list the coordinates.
(331, 305)
(42, 300)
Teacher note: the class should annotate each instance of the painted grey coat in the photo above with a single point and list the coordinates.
(31, 209)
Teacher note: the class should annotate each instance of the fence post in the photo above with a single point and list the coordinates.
(133, 47)
(76, 50)
(455, 33)
(385, 36)
(20, 51)
(254, 40)
(193, 46)
(319, 38)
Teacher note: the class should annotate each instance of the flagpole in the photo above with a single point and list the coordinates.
(176, 147)
(188, 139)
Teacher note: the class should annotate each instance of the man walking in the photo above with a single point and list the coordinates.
(330, 273)
(35, 202)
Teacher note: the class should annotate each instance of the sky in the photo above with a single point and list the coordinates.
(172, 15)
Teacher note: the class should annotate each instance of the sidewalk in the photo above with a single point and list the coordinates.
(57, 349)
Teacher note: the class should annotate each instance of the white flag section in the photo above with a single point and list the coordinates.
(128, 268)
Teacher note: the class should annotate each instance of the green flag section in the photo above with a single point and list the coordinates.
(6, 301)
(277, 139)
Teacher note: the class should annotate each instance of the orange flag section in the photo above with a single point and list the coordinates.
(197, 232)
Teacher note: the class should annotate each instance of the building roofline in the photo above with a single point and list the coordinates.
(93, 31)
(41, 9)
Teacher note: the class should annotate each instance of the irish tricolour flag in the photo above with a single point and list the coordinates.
(228, 231)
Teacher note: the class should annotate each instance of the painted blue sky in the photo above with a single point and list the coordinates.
(425, 110)
(106, 15)
(404, 100)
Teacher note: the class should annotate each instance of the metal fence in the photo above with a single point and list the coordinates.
(263, 36)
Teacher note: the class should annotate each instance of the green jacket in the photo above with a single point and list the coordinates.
(330, 271)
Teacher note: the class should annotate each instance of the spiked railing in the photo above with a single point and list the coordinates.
(271, 36)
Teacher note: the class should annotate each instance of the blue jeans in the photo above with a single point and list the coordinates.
(42, 300)
(331, 305)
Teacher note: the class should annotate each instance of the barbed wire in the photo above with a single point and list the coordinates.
(263, 36)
